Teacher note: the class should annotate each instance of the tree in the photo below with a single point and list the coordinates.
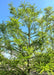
(28, 16)
(32, 43)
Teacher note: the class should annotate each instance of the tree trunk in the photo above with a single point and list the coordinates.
(28, 46)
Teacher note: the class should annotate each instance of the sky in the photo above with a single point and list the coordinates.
(5, 14)
(4, 11)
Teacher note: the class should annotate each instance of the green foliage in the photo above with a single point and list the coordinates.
(32, 48)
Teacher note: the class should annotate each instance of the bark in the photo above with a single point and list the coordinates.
(28, 46)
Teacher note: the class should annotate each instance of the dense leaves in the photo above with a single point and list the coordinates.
(29, 40)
